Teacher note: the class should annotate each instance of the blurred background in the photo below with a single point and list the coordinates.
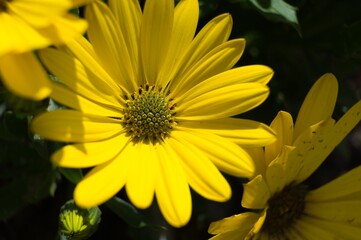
(301, 40)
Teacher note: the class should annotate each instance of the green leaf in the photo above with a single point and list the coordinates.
(127, 212)
(73, 175)
(25, 177)
(278, 10)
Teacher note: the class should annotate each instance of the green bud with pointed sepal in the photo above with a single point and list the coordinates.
(77, 223)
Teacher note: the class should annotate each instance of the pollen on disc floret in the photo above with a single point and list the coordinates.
(149, 114)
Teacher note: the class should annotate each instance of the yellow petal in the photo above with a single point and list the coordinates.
(311, 147)
(244, 220)
(347, 212)
(330, 139)
(235, 227)
(227, 156)
(283, 127)
(256, 193)
(232, 235)
(220, 59)
(318, 104)
(172, 191)
(101, 183)
(90, 154)
(65, 96)
(185, 22)
(155, 36)
(78, 78)
(309, 231)
(23, 75)
(343, 187)
(338, 230)
(212, 34)
(109, 44)
(38, 13)
(246, 133)
(83, 50)
(223, 102)
(202, 175)
(143, 169)
(275, 177)
(247, 74)
(64, 29)
(73, 126)
(129, 17)
(78, 3)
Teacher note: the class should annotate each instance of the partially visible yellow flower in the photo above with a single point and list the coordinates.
(283, 206)
(27, 25)
(152, 105)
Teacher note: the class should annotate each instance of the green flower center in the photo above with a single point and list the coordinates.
(148, 115)
(284, 209)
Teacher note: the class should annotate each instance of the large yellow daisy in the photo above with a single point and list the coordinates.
(283, 206)
(27, 25)
(151, 105)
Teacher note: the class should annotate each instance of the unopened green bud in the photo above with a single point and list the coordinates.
(76, 223)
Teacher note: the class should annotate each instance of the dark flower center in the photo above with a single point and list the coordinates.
(3, 5)
(148, 115)
(284, 209)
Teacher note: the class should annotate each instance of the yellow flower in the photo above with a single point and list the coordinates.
(283, 207)
(152, 105)
(27, 25)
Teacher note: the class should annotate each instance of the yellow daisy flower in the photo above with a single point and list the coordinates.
(27, 25)
(152, 105)
(284, 208)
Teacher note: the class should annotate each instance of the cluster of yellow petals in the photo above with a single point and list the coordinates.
(28, 25)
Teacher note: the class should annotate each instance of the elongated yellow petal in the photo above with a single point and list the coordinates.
(101, 183)
(216, 61)
(73, 126)
(23, 75)
(185, 22)
(18, 35)
(318, 104)
(39, 13)
(129, 17)
(223, 102)
(234, 227)
(172, 191)
(64, 29)
(244, 220)
(84, 51)
(109, 44)
(247, 74)
(338, 230)
(246, 133)
(275, 177)
(89, 154)
(309, 146)
(202, 175)
(343, 187)
(310, 231)
(143, 169)
(283, 127)
(347, 212)
(331, 139)
(233, 235)
(256, 193)
(65, 96)
(227, 156)
(155, 36)
(78, 78)
(212, 34)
